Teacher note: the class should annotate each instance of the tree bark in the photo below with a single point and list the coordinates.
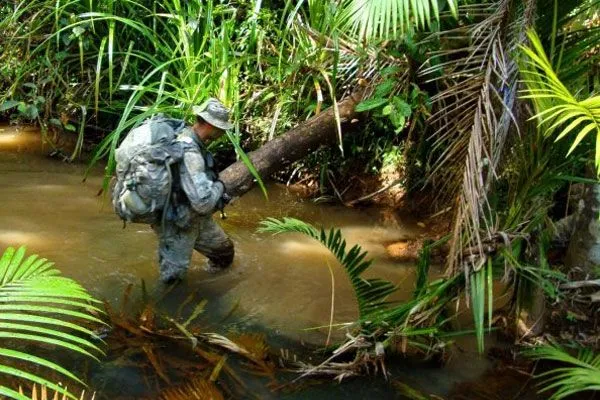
(292, 146)
(584, 247)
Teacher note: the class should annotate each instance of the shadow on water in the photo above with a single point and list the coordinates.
(278, 285)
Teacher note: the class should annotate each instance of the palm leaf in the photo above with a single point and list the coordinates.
(473, 120)
(557, 109)
(370, 293)
(582, 372)
(570, 43)
(36, 304)
(474, 116)
(384, 19)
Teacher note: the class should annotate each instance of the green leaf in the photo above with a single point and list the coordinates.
(387, 110)
(12, 394)
(248, 163)
(14, 264)
(554, 103)
(39, 361)
(385, 88)
(44, 339)
(78, 30)
(38, 319)
(582, 134)
(40, 298)
(370, 104)
(4, 369)
(5, 261)
(56, 310)
(28, 111)
(7, 327)
(579, 373)
(402, 106)
(398, 121)
(8, 104)
(391, 70)
(389, 19)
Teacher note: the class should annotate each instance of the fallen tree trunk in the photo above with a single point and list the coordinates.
(292, 146)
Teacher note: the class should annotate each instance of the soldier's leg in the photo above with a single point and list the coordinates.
(214, 243)
(175, 246)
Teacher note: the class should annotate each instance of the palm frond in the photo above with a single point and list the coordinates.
(370, 293)
(582, 372)
(36, 304)
(474, 116)
(385, 19)
(557, 109)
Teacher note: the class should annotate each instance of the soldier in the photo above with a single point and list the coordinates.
(196, 194)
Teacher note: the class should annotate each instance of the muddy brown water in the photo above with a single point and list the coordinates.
(281, 284)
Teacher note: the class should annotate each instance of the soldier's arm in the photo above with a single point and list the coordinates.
(202, 192)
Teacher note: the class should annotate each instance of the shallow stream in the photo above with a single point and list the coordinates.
(280, 285)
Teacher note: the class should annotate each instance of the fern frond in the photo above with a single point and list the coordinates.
(38, 305)
(370, 293)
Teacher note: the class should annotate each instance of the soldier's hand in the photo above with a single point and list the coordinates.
(226, 198)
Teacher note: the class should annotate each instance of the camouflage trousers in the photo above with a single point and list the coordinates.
(176, 244)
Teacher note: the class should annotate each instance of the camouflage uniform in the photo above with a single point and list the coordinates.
(188, 224)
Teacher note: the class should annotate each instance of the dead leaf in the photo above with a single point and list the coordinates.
(155, 363)
(195, 389)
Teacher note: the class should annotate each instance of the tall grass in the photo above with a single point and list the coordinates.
(111, 64)
(125, 60)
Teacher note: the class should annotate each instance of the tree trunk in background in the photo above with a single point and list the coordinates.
(291, 146)
(584, 247)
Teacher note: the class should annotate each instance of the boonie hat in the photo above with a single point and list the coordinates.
(215, 113)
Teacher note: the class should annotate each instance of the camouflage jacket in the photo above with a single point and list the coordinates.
(198, 180)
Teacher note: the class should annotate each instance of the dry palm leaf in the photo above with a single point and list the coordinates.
(43, 394)
(474, 116)
(255, 344)
(195, 389)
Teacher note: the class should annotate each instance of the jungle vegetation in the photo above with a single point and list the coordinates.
(490, 108)
(39, 305)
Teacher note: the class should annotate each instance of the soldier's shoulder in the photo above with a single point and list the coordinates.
(186, 136)
(185, 139)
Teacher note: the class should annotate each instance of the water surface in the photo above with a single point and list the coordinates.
(282, 284)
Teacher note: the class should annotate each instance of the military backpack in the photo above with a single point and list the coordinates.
(146, 161)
